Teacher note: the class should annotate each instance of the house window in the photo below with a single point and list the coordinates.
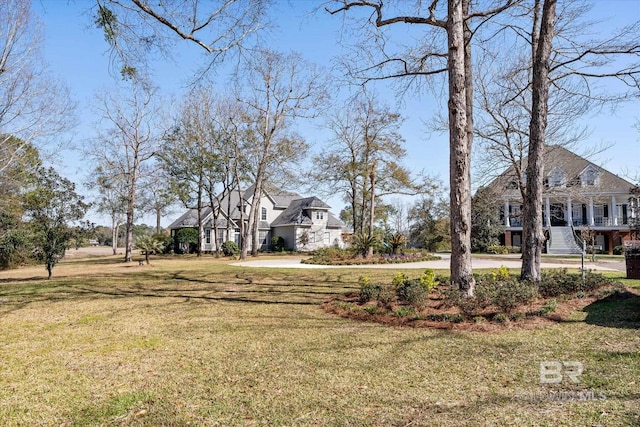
(207, 236)
(589, 178)
(263, 214)
(556, 178)
(221, 233)
(312, 237)
(319, 215)
(327, 238)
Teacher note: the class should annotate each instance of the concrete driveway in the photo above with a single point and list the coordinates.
(510, 261)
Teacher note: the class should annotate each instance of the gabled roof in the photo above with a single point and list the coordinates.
(189, 218)
(280, 198)
(559, 158)
(299, 212)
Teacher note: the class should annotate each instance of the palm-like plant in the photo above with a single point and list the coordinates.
(148, 244)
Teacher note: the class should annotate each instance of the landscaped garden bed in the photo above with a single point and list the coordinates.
(337, 256)
(501, 300)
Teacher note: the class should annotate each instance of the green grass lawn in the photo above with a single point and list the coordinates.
(200, 342)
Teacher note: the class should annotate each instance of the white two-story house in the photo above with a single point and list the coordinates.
(579, 196)
(305, 224)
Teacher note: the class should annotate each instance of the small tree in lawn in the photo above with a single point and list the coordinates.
(149, 244)
(50, 206)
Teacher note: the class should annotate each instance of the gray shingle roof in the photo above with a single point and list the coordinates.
(189, 219)
(299, 213)
(560, 159)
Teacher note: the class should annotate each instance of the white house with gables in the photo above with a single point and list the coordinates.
(578, 195)
(305, 224)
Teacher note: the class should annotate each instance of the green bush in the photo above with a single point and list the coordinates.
(230, 248)
(404, 311)
(428, 280)
(498, 249)
(277, 243)
(368, 290)
(618, 250)
(549, 307)
(554, 283)
(500, 318)
(412, 292)
(493, 289)
(511, 293)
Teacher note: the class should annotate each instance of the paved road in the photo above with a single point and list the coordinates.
(512, 261)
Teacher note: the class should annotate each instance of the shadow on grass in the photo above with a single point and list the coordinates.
(222, 286)
(618, 310)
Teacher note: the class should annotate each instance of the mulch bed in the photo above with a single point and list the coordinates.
(349, 306)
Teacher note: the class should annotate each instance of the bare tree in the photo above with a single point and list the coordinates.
(132, 28)
(532, 233)
(574, 67)
(364, 161)
(157, 198)
(276, 90)
(431, 57)
(112, 201)
(127, 144)
(33, 104)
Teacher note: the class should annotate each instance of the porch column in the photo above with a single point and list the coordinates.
(614, 214)
(590, 218)
(547, 211)
(507, 221)
(569, 212)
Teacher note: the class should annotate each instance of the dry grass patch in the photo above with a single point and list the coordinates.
(196, 341)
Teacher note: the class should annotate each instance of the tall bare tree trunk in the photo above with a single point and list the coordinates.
(115, 228)
(372, 207)
(200, 225)
(255, 215)
(460, 153)
(131, 203)
(532, 233)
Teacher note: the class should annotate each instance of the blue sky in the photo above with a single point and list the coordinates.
(76, 53)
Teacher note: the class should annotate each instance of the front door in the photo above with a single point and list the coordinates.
(557, 215)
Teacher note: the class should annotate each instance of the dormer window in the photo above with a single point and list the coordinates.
(319, 215)
(590, 177)
(263, 214)
(556, 178)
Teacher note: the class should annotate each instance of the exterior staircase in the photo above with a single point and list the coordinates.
(563, 241)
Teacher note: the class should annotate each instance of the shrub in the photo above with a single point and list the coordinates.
(516, 316)
(399, 279)
(412, 292)
(498, 249)
(230, 248)
(554, 283)
(549, 307)
(618, 250)
(428, 280)
(493, 290)
(187, 237)
(500, 318)
(511, 293)
(277, 243)
(368, 290)
(165, 240)
(362, 242)
(387, 294)
(404, 311)
(501, 273)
